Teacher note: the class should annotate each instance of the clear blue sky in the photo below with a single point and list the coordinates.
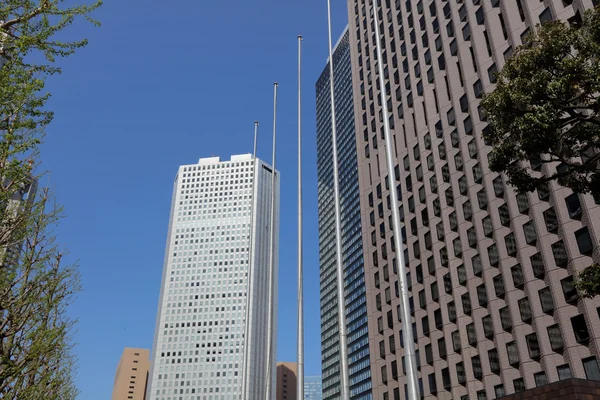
(163, 84)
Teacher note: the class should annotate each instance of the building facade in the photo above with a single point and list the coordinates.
(354, 280)
(211, 330)
(490, 271)
(287, 380)
(132, 375)
(312, 388)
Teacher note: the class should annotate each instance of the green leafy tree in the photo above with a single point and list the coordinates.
(36, 286)
(545, 108)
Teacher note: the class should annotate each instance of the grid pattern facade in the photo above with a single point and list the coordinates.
(490, 272)
(354, 279)
(215, 266)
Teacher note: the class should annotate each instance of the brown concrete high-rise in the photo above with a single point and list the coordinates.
(132, 375)
(286, 380)
(494, 308)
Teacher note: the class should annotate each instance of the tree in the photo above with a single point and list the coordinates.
(36, 286)
(545, 108)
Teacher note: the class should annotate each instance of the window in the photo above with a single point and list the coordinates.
(478, 89)
(590, 365)
(569, 290)
(560, 253)
(481, 395)
(456, 345)
(525, 310)
(482, 295)
(505, 319)
(543, 192)
(493, 255)
(564, 372)
(574, 206)
(523, 203)
(546, 15)
(461, 375)
(540, 379)
(551, 219)
(462, 274)
(555, 337)
(519, 385)
(466, 303)
(447, 283)
(492, 72)
(513, 354)
(471, 334)
(482, 199)
(467, 210)
(451, 313)
(580, 329)
(584, 241)
(530, 234)
(537, 265)
(499, 391)
(533, 346)
(432, 384)
(442, 348)
(499, 286)
(446, 378)
(517, 276)
(472, 237)
(511, 244)
(477, 370)
(494, 361)
(488, 229)
(488, 328)
(546, 300)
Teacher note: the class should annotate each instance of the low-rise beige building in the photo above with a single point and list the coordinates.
(132, 375)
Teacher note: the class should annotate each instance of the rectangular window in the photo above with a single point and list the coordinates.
(590, 365)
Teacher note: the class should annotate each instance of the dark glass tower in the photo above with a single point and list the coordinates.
(354, 278)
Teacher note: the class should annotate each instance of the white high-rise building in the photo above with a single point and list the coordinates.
(208, 344)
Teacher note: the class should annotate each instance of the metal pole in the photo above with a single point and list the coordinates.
(409, 344)
(271, 299)
(255, 136)
(344, 373)
(300, 373)
(246, 369)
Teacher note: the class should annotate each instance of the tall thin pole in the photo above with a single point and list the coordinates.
(250, 286)
(409, 344)
(344, 373)
(255, 137)
(300, 373)
(270, 346)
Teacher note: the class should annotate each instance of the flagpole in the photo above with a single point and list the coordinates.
(255, 136)
(343, 346)
(271, 299)
(409, 344)
(300, 372)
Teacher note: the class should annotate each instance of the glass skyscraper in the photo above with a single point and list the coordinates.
(312, 388)
(211, 329)
(354, 280)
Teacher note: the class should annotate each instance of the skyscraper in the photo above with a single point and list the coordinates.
(211, 338)
(354, 280)
(490, 272)
(132, 375)
(312, 388)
